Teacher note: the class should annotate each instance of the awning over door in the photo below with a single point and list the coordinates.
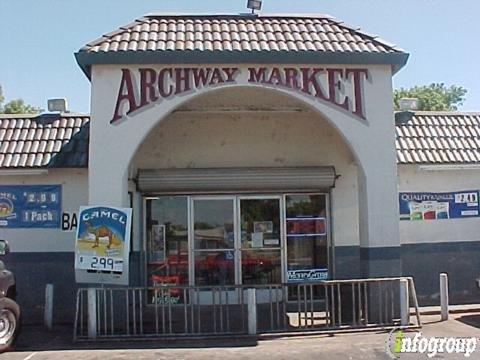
(238, 180)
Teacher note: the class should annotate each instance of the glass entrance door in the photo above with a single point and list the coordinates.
(261, 240)
(228, 249)
(213, 240)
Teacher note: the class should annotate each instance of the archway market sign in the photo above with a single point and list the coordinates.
(344, 88)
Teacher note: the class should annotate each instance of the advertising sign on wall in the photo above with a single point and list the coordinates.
(103, 240)
(435, 206)
(30, 206)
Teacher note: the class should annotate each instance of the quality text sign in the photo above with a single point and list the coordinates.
(434, 206)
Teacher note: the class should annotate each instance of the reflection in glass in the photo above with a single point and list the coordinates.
(214, 268)
(167, 243)
(213, 224)
(261, 267)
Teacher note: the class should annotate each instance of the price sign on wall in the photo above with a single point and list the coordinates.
(30, 206)
(436, 206)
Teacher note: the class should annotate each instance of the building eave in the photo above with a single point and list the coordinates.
(86, 59)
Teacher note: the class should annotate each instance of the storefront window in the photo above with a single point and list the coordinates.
(236, 239)
(213, 222)
(307, 245)
(167, 241)
(261, 241)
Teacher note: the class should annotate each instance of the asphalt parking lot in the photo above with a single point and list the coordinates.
(37, 344)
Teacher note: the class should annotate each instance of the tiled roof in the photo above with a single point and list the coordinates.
(239, 33)
(50, 140)
(163, 38)
(62, 140)
(439, 138)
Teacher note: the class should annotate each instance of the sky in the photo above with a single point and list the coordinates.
(38, 39)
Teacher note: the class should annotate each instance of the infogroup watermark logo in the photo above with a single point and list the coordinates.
(400, 342)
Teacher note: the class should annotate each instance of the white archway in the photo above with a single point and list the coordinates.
(112, 149)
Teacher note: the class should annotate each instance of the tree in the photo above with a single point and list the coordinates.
(17, 106)
(1, 98)
(433, 97)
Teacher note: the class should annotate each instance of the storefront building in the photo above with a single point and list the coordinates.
(438, 155)
(252, 149)
(232, 124)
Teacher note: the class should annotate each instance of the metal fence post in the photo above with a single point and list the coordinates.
(404, 303)
(444, 296)
(92, 313)
(48, 311)
(252, 311)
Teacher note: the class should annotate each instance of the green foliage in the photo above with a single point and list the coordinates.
(19, 107)
(433, 97)
(2, 98)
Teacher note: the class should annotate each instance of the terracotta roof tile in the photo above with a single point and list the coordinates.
(429, 138)
(36, 141)
(171, 32)
(439, 138)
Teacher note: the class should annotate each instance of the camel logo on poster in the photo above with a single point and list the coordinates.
(103, 239)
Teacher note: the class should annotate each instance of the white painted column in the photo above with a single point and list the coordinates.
(444, 296)
(252, 311)
(48, 315)
(107, 184)
(92, 312)
(378, 200)
(404, 303)
(379, 221)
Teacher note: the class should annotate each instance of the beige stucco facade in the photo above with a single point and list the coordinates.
(415, 178)
(202, 129)
(290, 135)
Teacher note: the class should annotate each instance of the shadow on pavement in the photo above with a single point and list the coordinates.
(472, 320)
(37, 338)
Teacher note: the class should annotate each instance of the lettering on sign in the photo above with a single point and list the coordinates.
(146, 86)
(307, 275)
(69, 221)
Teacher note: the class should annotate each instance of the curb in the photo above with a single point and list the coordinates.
(451, 311)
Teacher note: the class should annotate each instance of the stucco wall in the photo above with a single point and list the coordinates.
(264, 139)
(449, 246)
(412, 179)
(370, 140)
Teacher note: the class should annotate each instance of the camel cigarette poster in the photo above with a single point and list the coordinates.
(437, 206)
(30, 206)
(103, 239)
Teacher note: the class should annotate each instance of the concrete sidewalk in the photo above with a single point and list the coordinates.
(36, 344)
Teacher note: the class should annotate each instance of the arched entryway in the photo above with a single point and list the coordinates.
(220, 206)
(261, 127)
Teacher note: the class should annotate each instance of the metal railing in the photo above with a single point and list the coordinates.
(197, 311)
